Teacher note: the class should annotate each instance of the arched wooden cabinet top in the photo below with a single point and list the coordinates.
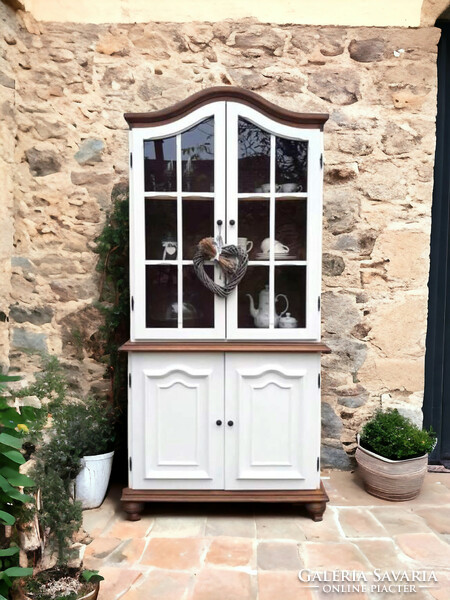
(226, 93)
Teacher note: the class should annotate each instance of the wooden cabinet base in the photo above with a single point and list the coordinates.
(314, 500)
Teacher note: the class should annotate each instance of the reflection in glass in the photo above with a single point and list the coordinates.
(198, 223)
(161, 308)
(291, 281)
(253, 158)
(252, 311)
(160, 165)
(291, 165)
(197, 155)
(160, 229)
(253, 222)
(290, 225)
(198, 302)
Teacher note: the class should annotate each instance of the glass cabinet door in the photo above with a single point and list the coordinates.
(177, 189)
(274, 199)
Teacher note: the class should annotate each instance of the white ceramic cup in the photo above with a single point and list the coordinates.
(289, 187)
(279, 248)
(245, 244)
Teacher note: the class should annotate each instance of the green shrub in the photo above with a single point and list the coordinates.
(393, 436)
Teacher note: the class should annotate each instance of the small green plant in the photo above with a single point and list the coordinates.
(393, 436)
(13, 426)
(88, 426)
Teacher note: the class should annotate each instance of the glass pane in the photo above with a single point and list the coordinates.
(198, 223)
(253, 225)
(197, 155)
(160, 165)
(254, 158)
(254, 312)
(290, 229)
(160, 229)
(198, 304)
(291, 165)
(161, 296)
(290, 290)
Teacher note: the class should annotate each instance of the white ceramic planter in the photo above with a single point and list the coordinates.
(92, 481)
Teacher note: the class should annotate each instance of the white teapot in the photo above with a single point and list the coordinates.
(261, 315)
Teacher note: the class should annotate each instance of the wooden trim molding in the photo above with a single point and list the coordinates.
(224, 346)
(314, 500)
(221, 93)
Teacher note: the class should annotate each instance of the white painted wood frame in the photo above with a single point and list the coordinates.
(138, 262)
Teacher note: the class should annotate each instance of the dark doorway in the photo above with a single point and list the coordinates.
(436, 408)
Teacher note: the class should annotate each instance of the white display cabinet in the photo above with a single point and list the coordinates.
(224, 400)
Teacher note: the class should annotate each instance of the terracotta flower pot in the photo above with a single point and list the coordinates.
(395, 480)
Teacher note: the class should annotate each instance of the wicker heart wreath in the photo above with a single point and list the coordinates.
(231, 259)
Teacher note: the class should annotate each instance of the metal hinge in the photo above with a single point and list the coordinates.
(321, 161)
(318, 380)
(131, 160)
(131, 464)
(132, 302)
(318, 303)
(318, 463)
(129, 379)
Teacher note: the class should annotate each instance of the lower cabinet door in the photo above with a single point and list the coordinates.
(272, 413)
(176, 403)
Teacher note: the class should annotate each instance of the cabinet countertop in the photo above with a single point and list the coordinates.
(224, 346)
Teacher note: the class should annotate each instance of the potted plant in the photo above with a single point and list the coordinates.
(392, 456)
(90, 427)
(46, 527)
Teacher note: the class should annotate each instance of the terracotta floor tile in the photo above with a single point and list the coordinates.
(175, 553)
(426, 548)
(231, 525)
(345, 556)
(382, 554)
(231, 552)
(360, 523)
(117, 581)
(102, 547)
(278, 556)
(397, 520)
(437, 520)
(178, 526)
(124, 529)
(162, 585)
(130, 552)
(281, 585)
(277, 528)
(224, 584)
(323, 531)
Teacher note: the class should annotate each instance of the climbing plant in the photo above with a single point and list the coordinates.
(113, 251)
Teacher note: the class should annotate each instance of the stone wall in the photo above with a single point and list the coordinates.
(73, 84)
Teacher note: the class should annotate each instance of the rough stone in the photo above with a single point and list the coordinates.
(334, 458)
(331, 423)
(332, 264)
(37, 316)
(341, 211)
(347, 352)
(46, 128)
(90, 152)
(341, 313)
(353, 401)
(7, 81)
(340, 87)
(42, 162)
(113, 45)
(259, 36)
(397, 140)
(371, 50)
(29, 340)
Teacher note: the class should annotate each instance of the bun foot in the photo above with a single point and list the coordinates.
(316, 510)
(133, 509)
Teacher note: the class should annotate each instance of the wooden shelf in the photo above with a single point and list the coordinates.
(224, 346)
